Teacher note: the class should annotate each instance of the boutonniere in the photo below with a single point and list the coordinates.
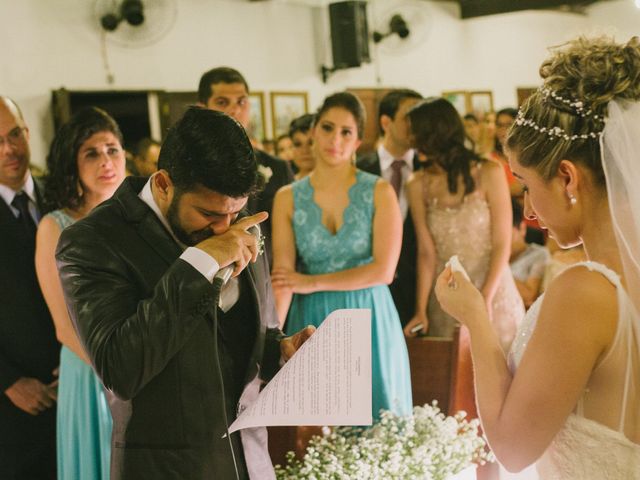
(266, 173)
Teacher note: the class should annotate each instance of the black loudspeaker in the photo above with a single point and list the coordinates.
(349, 34)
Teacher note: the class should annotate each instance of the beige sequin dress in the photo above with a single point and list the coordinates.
(465, 230)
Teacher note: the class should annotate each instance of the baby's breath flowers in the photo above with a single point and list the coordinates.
(427, 445)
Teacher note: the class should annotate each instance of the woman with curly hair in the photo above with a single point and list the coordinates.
(86, 164)
(568, 398)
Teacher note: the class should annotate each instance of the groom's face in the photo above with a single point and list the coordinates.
(199, 213)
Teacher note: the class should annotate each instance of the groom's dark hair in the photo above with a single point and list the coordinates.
(209, 148)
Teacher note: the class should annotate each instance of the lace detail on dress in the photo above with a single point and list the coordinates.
(586, 450)
(62, 218)
(583, 448)
(319, 250)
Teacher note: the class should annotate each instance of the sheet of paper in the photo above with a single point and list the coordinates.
(327, 381)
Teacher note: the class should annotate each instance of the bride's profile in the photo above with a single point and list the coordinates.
(568, 396)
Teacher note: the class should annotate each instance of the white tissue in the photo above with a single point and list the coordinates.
(456, 266)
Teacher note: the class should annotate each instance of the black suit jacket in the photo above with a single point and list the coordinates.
(28, 344)
(403, 287)
(281, 175)
(144, 316)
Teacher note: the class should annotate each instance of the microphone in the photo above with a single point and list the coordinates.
(224, 274)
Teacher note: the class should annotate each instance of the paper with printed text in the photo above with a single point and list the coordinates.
(327, 381)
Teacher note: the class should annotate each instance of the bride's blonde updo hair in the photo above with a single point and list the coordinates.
(565, 117)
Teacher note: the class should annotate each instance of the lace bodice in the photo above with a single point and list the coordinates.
(585, 448)
(319, 250)
(62, 218)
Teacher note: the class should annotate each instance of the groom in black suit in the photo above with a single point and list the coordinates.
(137, 274)
(394, 161)
(29, 351)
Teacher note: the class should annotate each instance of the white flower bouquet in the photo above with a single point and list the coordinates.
(427, 445)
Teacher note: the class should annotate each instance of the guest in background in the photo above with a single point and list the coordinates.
(300, 133)
(343, 227)
(29, 351)
(528, 261)
(460, 206)
(504, 120)
(395, 160)
(284, 147)
(487, 141)
(472, 130)
(226, 90)
(86, 165)
(268, 146)
(146, 157)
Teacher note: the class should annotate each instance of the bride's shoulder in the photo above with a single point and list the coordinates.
(582, 282)
(585, 298)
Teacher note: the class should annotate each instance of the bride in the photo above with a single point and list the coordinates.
(568, 397)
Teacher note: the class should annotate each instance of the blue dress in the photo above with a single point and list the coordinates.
(83, 416)
(319, 251)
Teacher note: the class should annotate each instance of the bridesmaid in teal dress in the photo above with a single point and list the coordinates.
(86, 165)
(342, 228)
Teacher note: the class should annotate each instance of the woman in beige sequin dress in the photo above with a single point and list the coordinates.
(460, 205)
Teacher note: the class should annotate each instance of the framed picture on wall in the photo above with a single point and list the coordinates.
(258, 119)
(285, 106)
(480, 103)
(459, 99)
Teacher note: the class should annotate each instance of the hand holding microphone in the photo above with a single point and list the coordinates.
(235, 248)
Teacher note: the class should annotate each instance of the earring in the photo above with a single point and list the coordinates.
(572, 200)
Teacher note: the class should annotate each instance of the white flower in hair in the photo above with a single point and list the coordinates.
(266, 172)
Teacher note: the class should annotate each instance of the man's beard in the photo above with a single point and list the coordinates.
(189, 239)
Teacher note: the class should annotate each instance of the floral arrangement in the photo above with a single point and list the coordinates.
(427, 445)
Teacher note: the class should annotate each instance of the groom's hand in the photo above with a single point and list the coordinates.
(235, 246)
(290, 345)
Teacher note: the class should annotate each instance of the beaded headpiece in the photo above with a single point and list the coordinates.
(558, 132)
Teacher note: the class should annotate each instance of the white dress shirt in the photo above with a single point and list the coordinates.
(8, 194)
(198, 259)
(386, 159)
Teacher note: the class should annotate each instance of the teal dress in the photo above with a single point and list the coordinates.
(83, 416)
(319, 251)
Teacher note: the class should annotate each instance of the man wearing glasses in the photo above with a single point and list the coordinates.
(29, 351)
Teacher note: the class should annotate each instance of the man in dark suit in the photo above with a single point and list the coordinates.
(226, 90)
(137, 274)
(394, 160)
(29, 351)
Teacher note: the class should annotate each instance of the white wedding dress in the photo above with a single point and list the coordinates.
(585, 448)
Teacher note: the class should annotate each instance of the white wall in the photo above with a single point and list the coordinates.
(279, 45)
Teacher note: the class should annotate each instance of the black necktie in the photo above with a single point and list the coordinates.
(21, 203)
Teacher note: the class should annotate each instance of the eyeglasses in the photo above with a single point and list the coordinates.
(13, 137)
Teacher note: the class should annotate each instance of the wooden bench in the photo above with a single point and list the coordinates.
(441, 370)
